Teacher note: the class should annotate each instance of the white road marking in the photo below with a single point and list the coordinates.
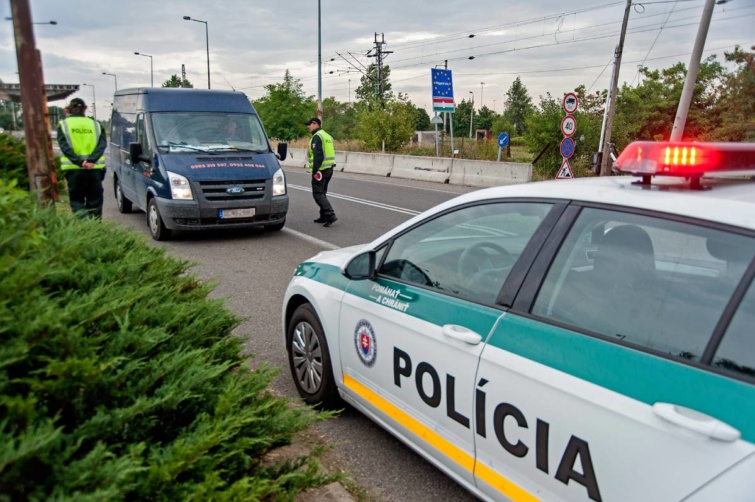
(310, 239)
(392, 184)
(366, 202)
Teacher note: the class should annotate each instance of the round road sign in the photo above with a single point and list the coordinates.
(571, 103)
(568, 125)
(567, 148)
(503, 139)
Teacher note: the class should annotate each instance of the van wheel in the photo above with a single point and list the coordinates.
(124, 205)
(309, 359)
(276, 227)
(157, 228)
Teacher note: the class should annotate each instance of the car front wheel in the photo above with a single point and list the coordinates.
(309, 359)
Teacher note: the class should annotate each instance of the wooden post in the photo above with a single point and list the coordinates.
(39, 155)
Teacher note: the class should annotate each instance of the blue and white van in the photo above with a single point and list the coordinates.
(195, 159)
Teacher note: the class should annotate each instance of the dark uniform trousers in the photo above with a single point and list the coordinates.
(320, 192)
(85, 191)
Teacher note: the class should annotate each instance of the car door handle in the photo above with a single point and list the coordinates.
(696, 421)
(461, 333)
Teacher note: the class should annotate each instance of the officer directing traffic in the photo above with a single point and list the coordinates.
(82, 141)
(322, 160)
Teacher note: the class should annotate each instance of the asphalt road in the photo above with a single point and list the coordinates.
(251, 270)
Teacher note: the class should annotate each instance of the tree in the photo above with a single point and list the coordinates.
(518, 105)
(502, 124)
(394, 124)
(339, 119)
(284, 108)
(464, 111)
(735, 112)
(369, 88)
(647, 112)
(543, 128)
(485, 118)
(175, 81)
(421, 119)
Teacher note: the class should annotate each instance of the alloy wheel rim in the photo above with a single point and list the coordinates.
(306, 354)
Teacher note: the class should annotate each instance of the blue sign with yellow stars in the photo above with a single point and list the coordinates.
(443, 90)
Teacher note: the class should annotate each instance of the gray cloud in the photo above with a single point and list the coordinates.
(252, 43)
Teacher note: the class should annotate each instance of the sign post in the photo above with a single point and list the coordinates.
(443, 95)
(568, 128)
(503, 140)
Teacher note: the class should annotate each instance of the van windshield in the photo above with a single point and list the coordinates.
(183, 132)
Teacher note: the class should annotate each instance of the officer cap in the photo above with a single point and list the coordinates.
(77, 102)
(313, 119)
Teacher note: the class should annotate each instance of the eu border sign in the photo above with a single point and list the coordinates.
(443, 90)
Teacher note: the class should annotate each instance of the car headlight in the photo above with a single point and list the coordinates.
(279, 183)
(179, 187)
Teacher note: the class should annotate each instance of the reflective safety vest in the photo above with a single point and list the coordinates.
(328, 149)
(82, 134)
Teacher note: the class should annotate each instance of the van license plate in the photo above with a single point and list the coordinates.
(225, 214)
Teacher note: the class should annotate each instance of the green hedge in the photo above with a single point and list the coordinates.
(13, 163)
(119, 377)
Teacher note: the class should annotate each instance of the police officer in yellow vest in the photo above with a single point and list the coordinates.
(82, 141)
(322, 160)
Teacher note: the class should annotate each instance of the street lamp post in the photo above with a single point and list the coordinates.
(207, 39)
(494, 106)
(319, 62)
(471, 115)
(94, 101)
(151, 71)
(115, 77)
(482, 84)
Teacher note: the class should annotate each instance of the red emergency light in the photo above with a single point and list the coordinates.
(688, 160)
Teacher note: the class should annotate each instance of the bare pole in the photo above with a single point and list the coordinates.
(605, 163)
(694, 67)
(39, 156)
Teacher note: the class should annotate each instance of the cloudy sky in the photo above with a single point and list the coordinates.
(553, 46)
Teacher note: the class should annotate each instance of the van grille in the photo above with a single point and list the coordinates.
(218, 190)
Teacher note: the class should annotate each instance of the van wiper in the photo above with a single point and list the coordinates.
(238, 149)
(190, 147)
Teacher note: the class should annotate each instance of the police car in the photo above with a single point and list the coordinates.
(589, 339)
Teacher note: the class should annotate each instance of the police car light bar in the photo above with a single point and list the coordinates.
(650, 158)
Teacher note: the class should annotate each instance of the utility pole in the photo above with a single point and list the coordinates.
(319, 62)
(694, 67)
(39, 156)
(605, 163)
(379, 53)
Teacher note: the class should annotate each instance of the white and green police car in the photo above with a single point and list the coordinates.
(590, 339)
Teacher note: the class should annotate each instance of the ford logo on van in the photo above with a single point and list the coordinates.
(235, 190)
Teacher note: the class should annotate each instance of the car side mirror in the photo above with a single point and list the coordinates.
(137, 154)
(282, 150)
(362, 266)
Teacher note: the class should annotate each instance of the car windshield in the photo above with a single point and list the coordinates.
(193, 131)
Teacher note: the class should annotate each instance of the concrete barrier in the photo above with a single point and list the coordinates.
(482, 173)
(297, 157)
(421, 168)
(367, 163)
(341, 159)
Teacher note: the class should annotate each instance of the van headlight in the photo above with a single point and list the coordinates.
(179, 187)
(279, 183)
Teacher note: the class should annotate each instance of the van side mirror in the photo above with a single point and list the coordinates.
(137, 154)
(282, 150)
(362, 266)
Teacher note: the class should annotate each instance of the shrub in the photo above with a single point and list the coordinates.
(13, 162)
(119, 377)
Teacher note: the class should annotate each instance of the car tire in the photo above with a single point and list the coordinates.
(157, 228)
(309, 359)
(277, 227)
(124, 205)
